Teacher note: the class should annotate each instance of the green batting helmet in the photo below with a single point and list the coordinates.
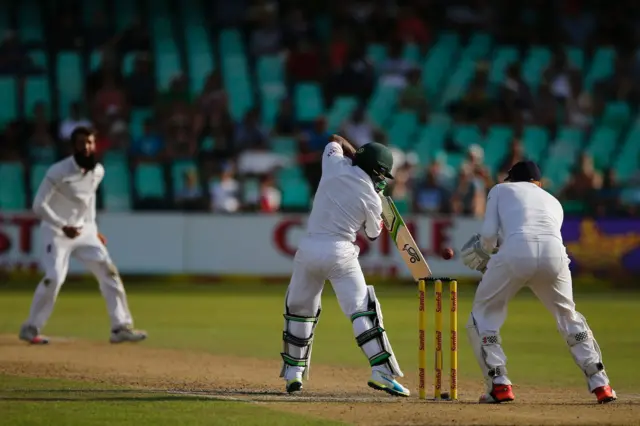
(377, 161)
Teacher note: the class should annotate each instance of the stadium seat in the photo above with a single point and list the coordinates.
(575, 55)
(440, 119)
(116, 184)
(458, 83)
(284, 146)
(536, 62)
(270, 77)
(602, 66)
(602, 145)
(39, 59)
(89, 10)
(382, 103)
(12, 196)
(69, 80)
(296, 195)
(37, 173)
(570, 137)
(290, 173)
(411, 53)
(438, 62)
(167, 67)
(466, 135)
(208, 144)
(29, 23)
(36, 90)
(149, 180)
(403, 129)
(478, 47)
(502, 58)
(128, 63)
(628, 160)
(496, 146)
(376, 53)
(231, 43)
(341, 109)
(308, 101)
(535, 140)
(235, 74)
(9, 104)
(616, 115)
(431, 139)
(138, 116)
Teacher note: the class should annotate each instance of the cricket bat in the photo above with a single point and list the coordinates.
(404, 241)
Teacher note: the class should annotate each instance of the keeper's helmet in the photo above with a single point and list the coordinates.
(377, 161)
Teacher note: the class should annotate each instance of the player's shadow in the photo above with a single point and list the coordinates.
(104, 395)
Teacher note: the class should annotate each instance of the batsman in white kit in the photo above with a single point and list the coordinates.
(66, 205)
(346, 201)
(527, 220)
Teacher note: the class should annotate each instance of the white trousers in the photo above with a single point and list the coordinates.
(88, 248)
(543, 266)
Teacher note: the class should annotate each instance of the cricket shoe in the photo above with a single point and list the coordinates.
(30, 334)
(386, 382)
(605, 394)
(127, 334)
(499, 394)
(294, 385)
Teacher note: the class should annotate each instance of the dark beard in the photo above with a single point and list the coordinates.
(86, 162)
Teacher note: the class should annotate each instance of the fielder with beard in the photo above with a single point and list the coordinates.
(66, 205)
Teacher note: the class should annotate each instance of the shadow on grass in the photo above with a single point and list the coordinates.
(112, 395)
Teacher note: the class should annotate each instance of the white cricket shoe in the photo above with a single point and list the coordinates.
(386, 382)
(127, 334)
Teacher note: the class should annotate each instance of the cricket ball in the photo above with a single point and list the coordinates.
(447, 253)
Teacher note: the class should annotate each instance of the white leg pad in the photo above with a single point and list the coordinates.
(297, 338)
(584, 349)
(488, 351)
(368, 327)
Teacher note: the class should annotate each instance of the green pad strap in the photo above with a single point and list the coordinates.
(294, 362)
(363, 314)
(296, 318)
(372, 333)
(297, 341)
(379, 358)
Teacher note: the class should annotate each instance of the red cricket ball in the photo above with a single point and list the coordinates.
(447, 253)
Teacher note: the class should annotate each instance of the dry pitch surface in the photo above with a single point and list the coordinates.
(332, 393)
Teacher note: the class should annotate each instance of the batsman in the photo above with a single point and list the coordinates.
(346, 201)
(532, 254)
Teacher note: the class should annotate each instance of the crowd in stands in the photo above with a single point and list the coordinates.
(236, 160)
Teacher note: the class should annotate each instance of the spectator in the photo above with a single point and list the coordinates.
(258, 9)
(394, 69)
(557, 75)
(303, 62)
(338, 48)
(189, 195)
(110, 98)
(411, 28)
(515, 155)
(10, 146)
(515, 97)
(267, 38)
(357, 77)
(134, 38)
(41, 146)
(470, 194)
(297, 27)
(582, 186)
(270, 195)
(75, 119)
(249, 133)
(577, 23)
(608, 202)
(68, 33)
(119, 135)
(413, 97)
(140, 83)
(401, 191)
(358, 129)
(580, 104)
(546, 107)
(311, 145)
(622, 85)
(431, 196)
(225, 191)
(213, 95)
(476, 103)
(109, 69)
(150, 145)
(286, 123)
(14, 57)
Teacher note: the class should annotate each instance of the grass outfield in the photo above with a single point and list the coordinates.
(245, 321)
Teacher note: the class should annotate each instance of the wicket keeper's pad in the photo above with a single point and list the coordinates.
(368, 326)
(297, 339)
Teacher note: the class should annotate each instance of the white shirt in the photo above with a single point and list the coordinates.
(345, 200)
(67, 195)
(224, 196)
(521, 211)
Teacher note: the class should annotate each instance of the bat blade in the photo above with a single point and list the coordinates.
(403, 240)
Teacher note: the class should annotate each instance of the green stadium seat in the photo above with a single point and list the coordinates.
(89, 10)
(201, 65)
(29, 23)
(270, 102)
(95, 60)
(284, 146)
(69, 80)
(9, 104)
(557, 172)
(535, 140)
(574, 207)
(601, 146)
(208, 144)
(138, 116)
(538, 58)
(502, 58)
(39, 59)
(296, 195)
(572, 137)
(178, 169)
(466, 135)
(235, 73)
(270, 70)
(403, 129)
(341, 109)
(231, 43)
(289, 173)
(458, 83)
(602, 66)
(124, 13)
(167, 67)
(308, 101)
(37, 173)
(382, 104)
(441, 119)
(455, 160)
(36, 90)
(478, 47)
(575, 55)
(12, 197)
(129, 62)
(431, 139)
(116, 183)
(411, 53)
(628, 160)
(149, 180)
(616, 115)
(438, 62)
(376, 53)
(496, 146)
